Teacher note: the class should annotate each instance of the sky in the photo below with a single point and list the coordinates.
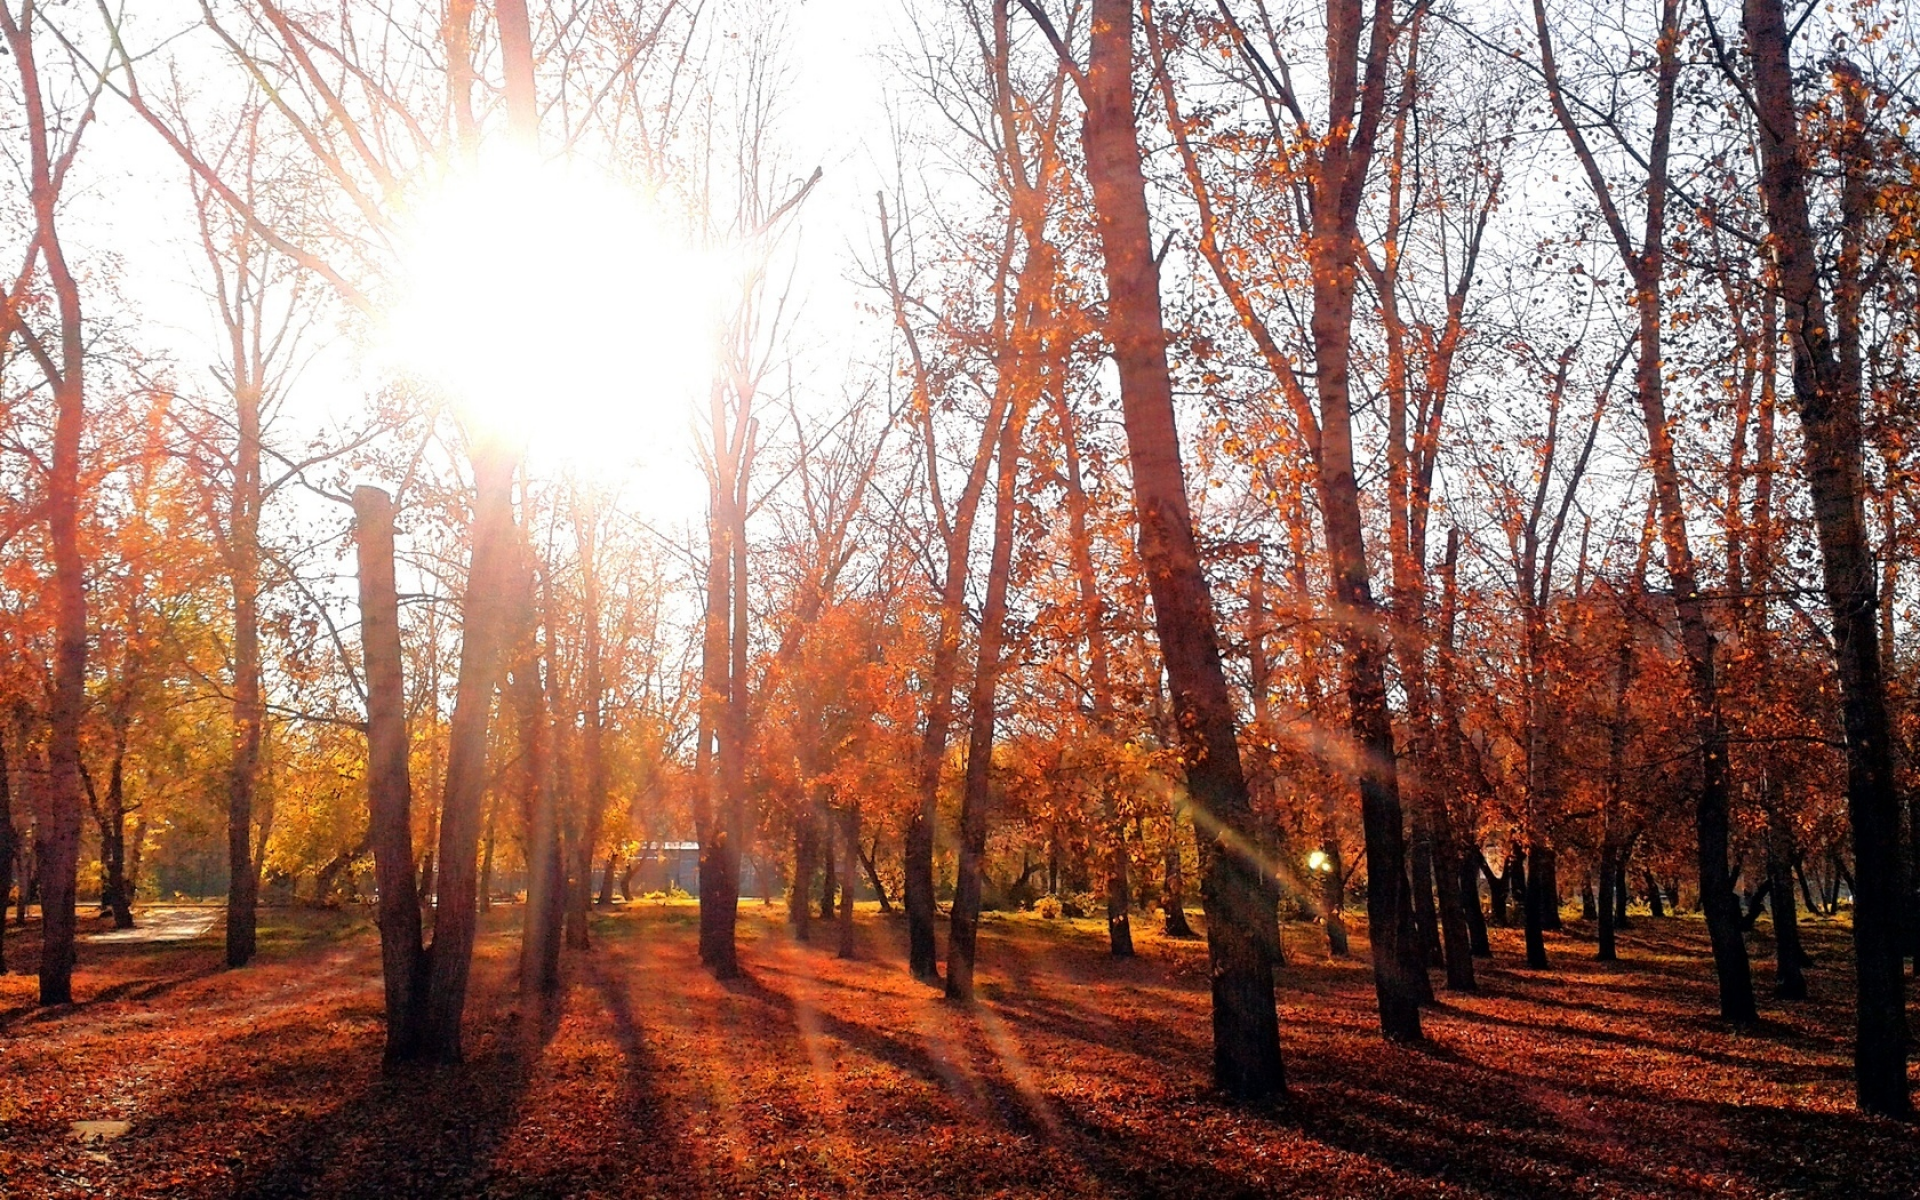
(132, 217)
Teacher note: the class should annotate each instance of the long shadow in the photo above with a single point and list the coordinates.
(1001, 1093)
(139, 989)
(1510, 1133)
(424, 1130)
(640, 1101)
(1759, 1064)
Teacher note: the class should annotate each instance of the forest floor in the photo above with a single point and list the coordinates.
(1075, 1075)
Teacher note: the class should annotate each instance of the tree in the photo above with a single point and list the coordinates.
(1826, 388)
(53, 141)
(1645, 264)
(1235, 887)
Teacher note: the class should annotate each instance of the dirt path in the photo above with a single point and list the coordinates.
(156, 924)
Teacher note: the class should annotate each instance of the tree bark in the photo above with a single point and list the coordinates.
(806, 853)
(541, 930)
(389, 788)
(9, 843)
(873, 877)
(1173, 903)
(57, 832)
(592, 747)
(849, 874)
(1826, 387)
(249, 709)
(1099, 679)
(964, 929)
(1235, 890)
(485, 610)
(114, 892)
(715, 671)
(829, 860)
(1459, 906)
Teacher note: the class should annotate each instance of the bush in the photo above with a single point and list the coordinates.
(1048, 907)
(1077, 904)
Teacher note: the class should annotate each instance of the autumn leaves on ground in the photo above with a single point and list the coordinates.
(1073, 1074)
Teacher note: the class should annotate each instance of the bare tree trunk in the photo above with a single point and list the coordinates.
(714, 674)
(917, 853)
(592, 737)
(1235, 889)
(1790, 981)
(114, 892)
(964, 928)
(608, 873)
(829, 860)
(9, 844)
(249, 709)
(1469, 876)
(1333, 873)
(540, 932)
(806, 854)
(487, 844)
(1826, 387)
(490, 584)
(873, 876)
(389, 790)
(849, 874)
(1646, 265)
(1459, 906)
(1615, 784)
(1173, 902)
(1093, 618)
(57, 832)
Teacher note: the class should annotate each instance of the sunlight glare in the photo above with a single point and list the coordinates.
(557, 309)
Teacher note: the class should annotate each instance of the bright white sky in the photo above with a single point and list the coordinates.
(136, 208)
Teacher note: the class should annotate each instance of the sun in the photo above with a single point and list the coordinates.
(558, 309)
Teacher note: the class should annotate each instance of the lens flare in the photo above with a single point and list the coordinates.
(558, 309)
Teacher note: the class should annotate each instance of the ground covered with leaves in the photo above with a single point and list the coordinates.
(1075, 1075)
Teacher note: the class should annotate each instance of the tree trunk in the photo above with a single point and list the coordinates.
(1459, 907)
(403, 960)
(486, 608)
(9, 842)
(873, 876)
(1173, 903)
(964, 929)
(708, 804)
(1609, 877)
(114, 892)
(1826, 387)
(592, 737)
(541, 930)
(1790, 982)
(249, 708)
(1469, 876)
(1533, 905)
(849, 874)
(604, 899)
(806, 850)
(57, 831)
(1646, 268)
(1620, 888)
(829, 873)
(720, 869)
(1235, 890)
(1093, 619)
(1426, 915)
